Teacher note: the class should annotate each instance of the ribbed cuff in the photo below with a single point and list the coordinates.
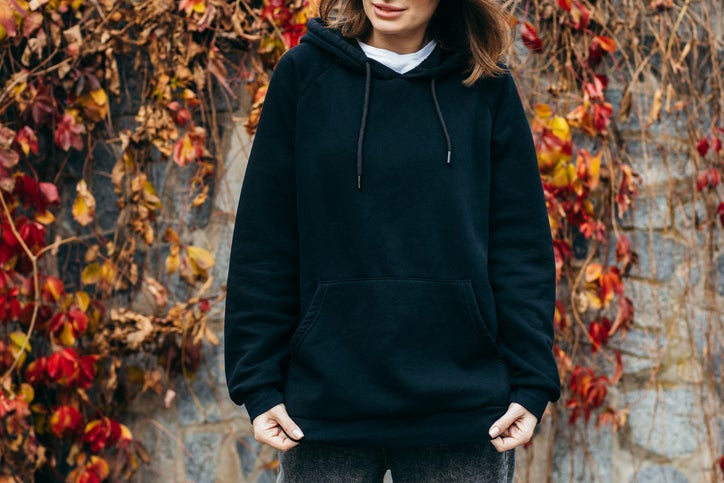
(533, 400)
(261, 401)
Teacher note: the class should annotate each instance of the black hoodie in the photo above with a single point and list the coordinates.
(391, 276)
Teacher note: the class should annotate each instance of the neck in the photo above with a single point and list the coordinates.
(397, 43)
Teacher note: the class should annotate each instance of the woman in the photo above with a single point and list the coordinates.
(391, 282)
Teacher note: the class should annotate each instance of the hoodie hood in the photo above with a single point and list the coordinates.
(347, 52)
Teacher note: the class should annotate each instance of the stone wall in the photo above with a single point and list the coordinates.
(674, 430)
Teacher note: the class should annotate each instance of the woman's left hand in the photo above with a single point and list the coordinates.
(514, 428)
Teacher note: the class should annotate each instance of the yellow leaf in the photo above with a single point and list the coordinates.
(91, 425)
(173, 260)
(91, 254)
(67, 338)
(84, 207)
(594, 169)
(563, 174)
(91, 274)
(201, 260)
(594, 302)
(200, 198)
(560, 128)
(27, 391)
(108, 273)
(45, 218)
(18, 338)
(150, 197)
(126, 433)
(82, 299)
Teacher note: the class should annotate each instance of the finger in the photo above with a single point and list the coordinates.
(504, 444)
(289, 426)
(505, 421)
(273, 435)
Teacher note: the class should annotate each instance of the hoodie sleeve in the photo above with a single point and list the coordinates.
(521, 263)
(262, 300)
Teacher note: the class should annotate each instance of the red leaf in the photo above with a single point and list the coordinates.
(50, 192)
(709, 178)
(624, 254)
(65, 420)
(716, 145)
(530, 38)
(27, 140)
(619, 369)
(35, 372)
(703, 147)
(580, 16)
(598, 331)
(595, 54)
(720, 212)
(67, 133)
(624, 316)
(52, 289)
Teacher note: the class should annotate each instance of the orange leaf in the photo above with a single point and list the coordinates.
(606, 43)
(593, 272)
(53, 288)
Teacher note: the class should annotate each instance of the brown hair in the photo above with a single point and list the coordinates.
(478, 28)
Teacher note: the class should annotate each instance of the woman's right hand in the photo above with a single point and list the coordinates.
(275, 428)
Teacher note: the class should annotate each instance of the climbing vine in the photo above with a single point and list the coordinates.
(601, 80)
(591, 71)
(67, 336)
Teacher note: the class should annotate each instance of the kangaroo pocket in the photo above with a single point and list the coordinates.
(377, 348)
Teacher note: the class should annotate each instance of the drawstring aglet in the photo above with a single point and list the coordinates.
(359, 182)
(449, 153)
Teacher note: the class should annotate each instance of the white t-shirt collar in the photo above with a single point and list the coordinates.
(400, 63)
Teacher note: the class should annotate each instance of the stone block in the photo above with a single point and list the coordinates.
(646, 159)
(584, 455)
(654, 303)
(658, 255)
(209, 387)
(239, 145)
(664, 422)
(157, 429)
(648, 210)
(659, 474)
(640, 350)
(200, 456)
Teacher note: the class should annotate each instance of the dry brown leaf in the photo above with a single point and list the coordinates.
(656, 106)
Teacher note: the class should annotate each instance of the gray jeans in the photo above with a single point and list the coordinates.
(456, 462)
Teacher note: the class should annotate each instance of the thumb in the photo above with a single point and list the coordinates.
(504, 422)
(289, 426)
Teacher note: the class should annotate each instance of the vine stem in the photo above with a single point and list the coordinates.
(574, 309)
(36, 288)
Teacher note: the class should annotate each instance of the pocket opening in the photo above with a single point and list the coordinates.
(476, 318)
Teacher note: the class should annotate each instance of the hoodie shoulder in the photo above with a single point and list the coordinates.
(308, 63)
(493, 89)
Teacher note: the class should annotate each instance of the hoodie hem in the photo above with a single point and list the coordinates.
(439, 428)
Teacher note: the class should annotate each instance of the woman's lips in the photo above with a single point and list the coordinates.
(387, 12)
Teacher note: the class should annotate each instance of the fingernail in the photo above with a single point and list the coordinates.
(297, 433)
(494, 431)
